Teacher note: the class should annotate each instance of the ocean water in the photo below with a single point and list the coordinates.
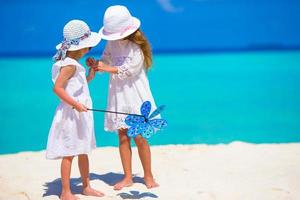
(210, 98)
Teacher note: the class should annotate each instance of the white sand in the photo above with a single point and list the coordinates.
(238, 171)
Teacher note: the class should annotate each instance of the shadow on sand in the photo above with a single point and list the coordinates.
(136, 195)
(111, 178)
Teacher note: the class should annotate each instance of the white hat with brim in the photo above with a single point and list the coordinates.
(118, 23)
(91, 41)
(77, 35)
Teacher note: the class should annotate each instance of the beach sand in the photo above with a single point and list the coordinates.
(235, 171)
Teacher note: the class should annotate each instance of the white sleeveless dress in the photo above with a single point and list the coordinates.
(71, 132)
(129, 88)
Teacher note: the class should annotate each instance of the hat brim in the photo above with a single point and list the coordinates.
(91, 41)
(117, 36)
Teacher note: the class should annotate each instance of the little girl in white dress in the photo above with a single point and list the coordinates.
(72, 130)
(127, 57)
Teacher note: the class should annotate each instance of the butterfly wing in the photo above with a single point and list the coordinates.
(132, 120)
(133, 130)
(146, 130)
(157, 111)
(146, 108)
(158, 123)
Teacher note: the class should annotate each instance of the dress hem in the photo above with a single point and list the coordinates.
(116, 129)
(65, 155)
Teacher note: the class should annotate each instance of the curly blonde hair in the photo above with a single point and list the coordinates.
(140, 39)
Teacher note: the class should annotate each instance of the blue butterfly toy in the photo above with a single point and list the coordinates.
(145, 124)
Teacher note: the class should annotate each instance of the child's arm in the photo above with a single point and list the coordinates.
(131, 66)
(102, 67)
(98, 65)
(59, 87)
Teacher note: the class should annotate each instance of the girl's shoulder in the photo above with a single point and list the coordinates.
(66, 62)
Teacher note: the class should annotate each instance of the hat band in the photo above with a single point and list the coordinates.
(77, 40)
(105, 32)
(66, 44)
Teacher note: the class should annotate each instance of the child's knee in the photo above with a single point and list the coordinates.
(123, 139)
(140, 141)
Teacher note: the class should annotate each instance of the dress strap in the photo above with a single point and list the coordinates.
(69, 61)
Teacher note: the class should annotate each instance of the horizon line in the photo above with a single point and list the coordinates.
(167, 51)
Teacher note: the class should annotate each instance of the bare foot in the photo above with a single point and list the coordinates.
(150, 182)
(68, 196)
(88, 191)
(124, 183)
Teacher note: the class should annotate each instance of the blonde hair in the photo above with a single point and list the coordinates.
(140, 39)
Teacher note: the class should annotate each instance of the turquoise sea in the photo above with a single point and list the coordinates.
(210, 98)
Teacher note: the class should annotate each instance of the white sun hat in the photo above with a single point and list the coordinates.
(77, 35)
(118, 23)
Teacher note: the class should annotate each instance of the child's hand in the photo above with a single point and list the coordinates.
(80, 107)
(101, 67)
(91, 62)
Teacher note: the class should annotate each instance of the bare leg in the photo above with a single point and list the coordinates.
(125, 154)
(145, 157)
(83, 164)
(65, 170)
